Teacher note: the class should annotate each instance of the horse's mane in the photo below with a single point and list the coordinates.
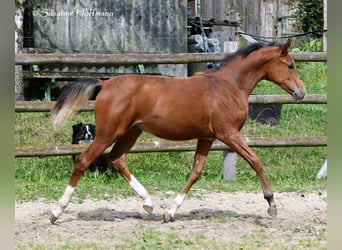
(243, 52)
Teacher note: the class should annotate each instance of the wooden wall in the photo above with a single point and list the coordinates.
(131, 26)
(137, 26)
(258, 17)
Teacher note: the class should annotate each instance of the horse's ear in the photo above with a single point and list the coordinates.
(285, 47)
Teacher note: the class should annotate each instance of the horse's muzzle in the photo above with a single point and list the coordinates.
(298, 94)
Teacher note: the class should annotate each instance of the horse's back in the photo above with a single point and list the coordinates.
(152, 87)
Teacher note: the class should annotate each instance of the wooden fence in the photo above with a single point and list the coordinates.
(134, 59)
(32, 106)
(172, 146)
(161, 145)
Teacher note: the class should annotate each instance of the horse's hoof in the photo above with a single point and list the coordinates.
(272, 211)
(168, 218)
(52, 218)
(148, 209)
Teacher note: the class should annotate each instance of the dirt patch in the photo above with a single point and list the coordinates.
(222, 217)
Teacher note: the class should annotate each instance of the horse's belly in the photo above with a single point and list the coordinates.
(174, 131)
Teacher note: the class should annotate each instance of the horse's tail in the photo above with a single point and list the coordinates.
(73, 98)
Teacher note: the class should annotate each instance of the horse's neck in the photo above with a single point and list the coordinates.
(245, 73)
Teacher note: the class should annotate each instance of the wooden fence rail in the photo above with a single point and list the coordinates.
(171, 146)
(133, 59)
(32, 106)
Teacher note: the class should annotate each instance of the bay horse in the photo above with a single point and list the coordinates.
(207, 106)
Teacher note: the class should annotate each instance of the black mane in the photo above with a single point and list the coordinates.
(243, 52)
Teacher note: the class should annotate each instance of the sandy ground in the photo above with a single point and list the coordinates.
(222, 217)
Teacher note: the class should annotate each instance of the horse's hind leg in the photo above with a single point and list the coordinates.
(117, 158)
(82, 163)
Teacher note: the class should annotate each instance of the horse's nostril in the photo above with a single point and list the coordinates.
(298, 95)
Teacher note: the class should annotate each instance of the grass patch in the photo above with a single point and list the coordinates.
(144, 238)
(152, 239)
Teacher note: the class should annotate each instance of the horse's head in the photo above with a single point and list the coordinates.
(282, 71)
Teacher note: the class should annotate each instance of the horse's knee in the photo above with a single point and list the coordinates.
(81, 164)
(117, 164)
(196, 173)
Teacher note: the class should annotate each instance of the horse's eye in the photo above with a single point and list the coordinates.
(290, 66)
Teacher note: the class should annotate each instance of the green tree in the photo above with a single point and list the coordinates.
(309, 14)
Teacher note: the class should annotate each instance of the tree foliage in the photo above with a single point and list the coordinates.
(309, 14)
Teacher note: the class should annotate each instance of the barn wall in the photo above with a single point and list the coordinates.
(258, 17)
(125, 26)
(220, 10)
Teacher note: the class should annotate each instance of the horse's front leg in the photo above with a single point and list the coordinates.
(203, 147)
(236, 142)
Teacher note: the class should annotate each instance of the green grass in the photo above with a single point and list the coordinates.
(287, 169)
(145, 238)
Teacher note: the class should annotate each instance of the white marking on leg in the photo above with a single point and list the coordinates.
(176, 204)
(64, 201)
(141, 191)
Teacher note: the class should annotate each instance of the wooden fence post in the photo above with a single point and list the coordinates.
(229, 165)
(229, 157)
